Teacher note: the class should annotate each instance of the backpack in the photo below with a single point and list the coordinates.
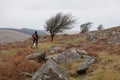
(34, 36)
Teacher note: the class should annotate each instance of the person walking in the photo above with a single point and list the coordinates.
(35, 40)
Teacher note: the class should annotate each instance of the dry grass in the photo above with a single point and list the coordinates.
(106, 68)
(13, 62)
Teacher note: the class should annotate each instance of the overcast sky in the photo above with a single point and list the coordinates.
(34, 13)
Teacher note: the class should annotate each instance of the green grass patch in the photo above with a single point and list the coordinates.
(44, 46)
(10, 52)
(77, 39)
(59, 42)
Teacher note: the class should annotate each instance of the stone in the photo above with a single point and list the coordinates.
(110, 43)
(117, 44)
(50, 71)
(113, 32)
(26, 74)
(67, 56)
(96, 35)
(109, 33)
(89, 37)
(82, 69)
(118, 39)
(79, 45)
(81, 52)
(37, 56)
(92, 36)
(55, 49)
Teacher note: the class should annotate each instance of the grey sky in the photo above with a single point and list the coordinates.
(34, 13)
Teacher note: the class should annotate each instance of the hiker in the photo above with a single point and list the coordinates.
(35, 40)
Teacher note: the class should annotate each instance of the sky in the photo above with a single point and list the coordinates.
(34, 13)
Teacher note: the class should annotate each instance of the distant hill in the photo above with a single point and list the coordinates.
(27, 31)
(12, 36)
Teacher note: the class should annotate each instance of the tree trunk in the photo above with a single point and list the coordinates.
(52, 37)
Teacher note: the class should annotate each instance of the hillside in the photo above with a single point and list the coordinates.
(27, 31)
(12, 36)
(103, 45)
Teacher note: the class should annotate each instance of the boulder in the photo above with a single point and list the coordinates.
(118, 39)
(67, 56)
(50, 71)
(55, 49)
(89, 37)
(92, 36)
(37, 56)
(82, 69)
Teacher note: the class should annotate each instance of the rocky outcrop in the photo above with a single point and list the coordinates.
(37, 56)
(50, 71)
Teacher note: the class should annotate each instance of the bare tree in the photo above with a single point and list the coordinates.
(59, 23)
(85, 27)
(100, 27)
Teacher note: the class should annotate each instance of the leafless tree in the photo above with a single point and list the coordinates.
(85, 27)
(100, 27)
(59, 23)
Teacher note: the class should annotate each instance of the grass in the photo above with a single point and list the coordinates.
(44, 46)
(106, 68)
(71, 69)
(77, 39)
(9, 52)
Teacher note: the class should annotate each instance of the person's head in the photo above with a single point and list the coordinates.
(35, 32)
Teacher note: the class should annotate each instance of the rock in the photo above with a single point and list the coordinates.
(113, 32)
(82, 69)
(69, 55)
(81, 52)
(89, 37)
(96, 35)
(93, 36)
(65, 35)
(79, 45)
(118, 39)
(118, 43)
(110, 43)
(55, 49)
(86, 57)
(26, 74)
(50, 71)
(37, 56)
(109, 33)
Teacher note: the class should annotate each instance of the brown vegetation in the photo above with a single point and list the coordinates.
(12, 65)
